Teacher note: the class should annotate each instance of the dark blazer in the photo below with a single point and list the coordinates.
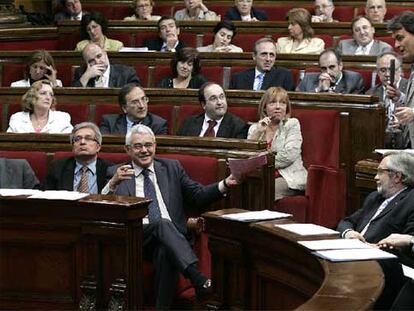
(230, 127)
(61, 16)
(17, 174)
(177, 190)
(379, 91)
(119, 75)
(277, 76)
(397, 217)
(61, 173)
(351, 83)
(117, 124)
(234, 15)
(156, 44)
(195, 82)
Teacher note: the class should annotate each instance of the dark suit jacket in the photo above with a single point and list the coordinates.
(117, 124)
(277, 76)
(61, 173)
(17, 174)
(177, 190)
(397, 217)
(61, 16)
(156, 44)
(234, 15)
(378, 89)
(195, 82)
(351, 83)
(119, 75)
(230, 127)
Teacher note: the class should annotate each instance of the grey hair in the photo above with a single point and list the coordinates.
(403, 162)
(138, 129)
(88, 125)
(392, 53)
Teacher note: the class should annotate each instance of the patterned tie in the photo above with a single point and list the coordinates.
(210, 130)
(83, 183)
(260, 78)
(154, 213)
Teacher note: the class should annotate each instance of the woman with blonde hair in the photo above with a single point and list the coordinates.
(284, 138)
(143, 11)
(39, 114)
(301, 39)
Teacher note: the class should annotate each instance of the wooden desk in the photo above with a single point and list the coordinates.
(50, 249)
(257, 266)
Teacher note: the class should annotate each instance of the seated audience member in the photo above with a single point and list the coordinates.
(168, 40)
(224, 32)
(395, 139)
(284, 139)
(165, 231)
(84, 171)
(94, 27)
(17, 174)
(300, 40)
(323, 11)
(332, 78)
(195, 10)
(134, 106)
(243, 11)
(185, 66)
(39, 114)
(72, 11)
(215, 121)
(98, 72)
(363, 42)
(375, 10)
(265, 74)
(39, 66)
(143, 11)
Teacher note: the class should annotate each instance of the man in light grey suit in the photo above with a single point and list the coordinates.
(332, 78)
(363, 42)
(17, 174)
(402, 27)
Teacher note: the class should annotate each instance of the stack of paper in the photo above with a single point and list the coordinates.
(307, 229)
(59, 195)
(256, 216)
(17, 192)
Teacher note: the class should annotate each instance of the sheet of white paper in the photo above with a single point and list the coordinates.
(307, 229)
(408, 271)
(59, 195)
(354, 254)
(382, 151)
(256, 215)
(17, 192)
(334, 244)
(132, 49)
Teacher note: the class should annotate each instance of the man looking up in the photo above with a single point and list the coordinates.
(323, 11)
(134, 105)
(168, 40)
(265, 74)
(215, 121)
(168, 185)
(375, 10)
(98, 72)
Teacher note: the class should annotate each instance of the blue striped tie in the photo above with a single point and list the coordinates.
(260, 83)
(149, 192)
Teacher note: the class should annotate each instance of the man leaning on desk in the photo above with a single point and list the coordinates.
(165, 232)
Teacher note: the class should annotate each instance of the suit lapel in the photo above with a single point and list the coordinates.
(121, 124)
(100, 174)
(198, 125)
(68, 175)
(223, 130)
(249, 79)
(162, 181)
(112, 76)
(392, 205)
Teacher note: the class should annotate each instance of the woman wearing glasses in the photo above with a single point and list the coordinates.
(143, 11)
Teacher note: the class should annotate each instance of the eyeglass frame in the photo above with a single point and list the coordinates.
(77, 139)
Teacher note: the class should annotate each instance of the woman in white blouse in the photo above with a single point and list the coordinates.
(224, 32)
(39, 114)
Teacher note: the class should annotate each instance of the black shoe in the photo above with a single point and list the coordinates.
(204, 292)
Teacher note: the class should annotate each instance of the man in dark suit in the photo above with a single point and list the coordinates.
(134, 105)
(168, 40)
(84, 172)
(265, 74)
(17, 174)
(97, 72)
(73, 11)
(332, 78)
(215, 121)
(244, 11)
(166, 183)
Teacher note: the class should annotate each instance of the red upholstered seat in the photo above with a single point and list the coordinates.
(128, 39)
(105, 109)
(160, 72)
(186, 111)
(144, 35)
(327, 39)
(68, 41)
(189, 38)
(248, 114)
(278, 12)
(36, 159)
(142, 73)
(246, 41)
(64, 73)
(28, 45)
(343, 13)
(11, 73)
(78, 112)
(213, 73)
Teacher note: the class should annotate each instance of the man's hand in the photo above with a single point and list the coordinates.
(395, 240)
(324, 82)
(231, 181)
(393, 92)
(354, 235)
(404, 115)
(92, 71)
(122, 173)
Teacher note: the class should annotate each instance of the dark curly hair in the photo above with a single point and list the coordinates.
(186, 55)
(95, 17)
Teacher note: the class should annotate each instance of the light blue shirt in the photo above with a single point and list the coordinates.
(92, 183)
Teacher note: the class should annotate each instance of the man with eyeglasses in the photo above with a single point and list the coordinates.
(243, 10)
(165, 231)
(134, 105)
(215, 121)
(84, 171)
(323, 11)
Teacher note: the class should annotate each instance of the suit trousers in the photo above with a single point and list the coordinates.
(405, 299)
(170, 253)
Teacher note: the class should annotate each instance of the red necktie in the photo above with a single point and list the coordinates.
(210, 130)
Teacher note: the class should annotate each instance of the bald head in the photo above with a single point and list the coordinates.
(94, 55)
(375, 10)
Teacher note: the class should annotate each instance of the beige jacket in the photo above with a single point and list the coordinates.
(307, 46)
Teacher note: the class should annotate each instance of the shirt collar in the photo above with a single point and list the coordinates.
(91, 166)
(139, 169)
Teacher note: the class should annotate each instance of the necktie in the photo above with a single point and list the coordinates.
(210, 130)
(99, 82)
(260, 78)
(154, 213)
(83, 183)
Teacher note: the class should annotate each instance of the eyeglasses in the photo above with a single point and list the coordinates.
(140, 101)
(383, 170)
(140, 147)
(88, 139)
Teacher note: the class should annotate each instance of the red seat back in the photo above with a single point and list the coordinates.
(327, 39)
(79, 112)
(28, 45)
(186, 111)
(142, 74)
(246, 41)
(343, 13)
(248, 114)
(36, 159)
(12, 73)
(160, 72)
(164, 111)
(213, 73)
(105, 109)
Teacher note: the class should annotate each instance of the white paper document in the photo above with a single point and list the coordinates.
(382, 151)
(256, 216)
(408, 271)
(334, 244)
(59, 195)
(307, 229)
(17, 192)
(133, 49)
(340, 255)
